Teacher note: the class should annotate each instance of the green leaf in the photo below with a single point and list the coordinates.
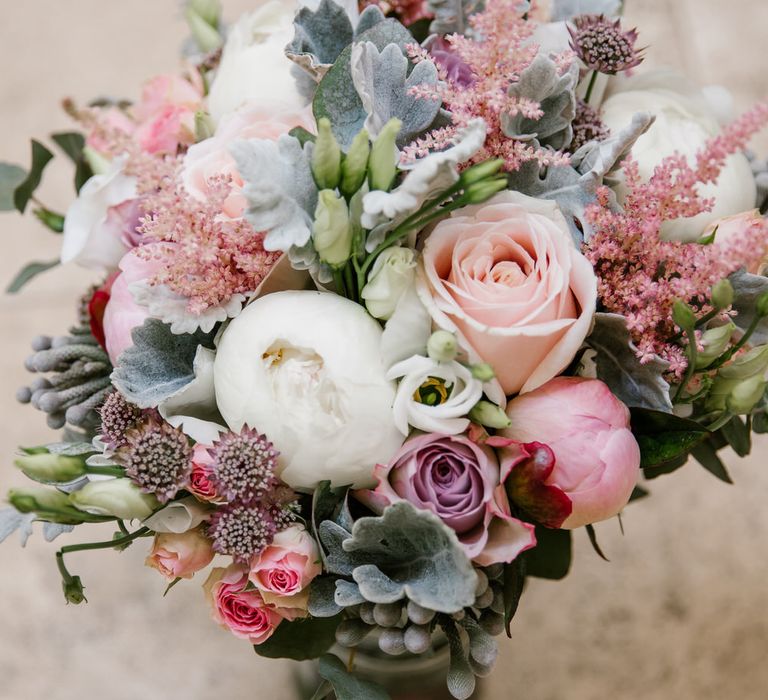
(738, 436)
(73, 143)
(301, 639)
(302, 135)
(639, 493)
(593, 541)
(27, 273)
(760, 423)
(41, 156)
(345, 685)
(706, 455)
(514, 582)
(50, 219)
(665, 440)
(11, 176)
(551, 557)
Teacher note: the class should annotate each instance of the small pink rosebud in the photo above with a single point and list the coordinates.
(180, 556)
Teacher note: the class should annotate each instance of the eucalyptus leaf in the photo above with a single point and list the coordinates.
(551, 557)
(514, 583)
(300, 640)
(738, 435)
(345, 685)
(706, 455)
(73, 143)
(637, 384)
(28, 273)
(747, 289)
(11, 176)
(41, 156)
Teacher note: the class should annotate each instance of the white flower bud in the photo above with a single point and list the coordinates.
(391, 275)
(332, 231)
(119, 498)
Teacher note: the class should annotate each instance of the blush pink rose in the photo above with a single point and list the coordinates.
(243, 612)
(747, 226)
(211, 158)
(458, 480)
(180, 555)
(200, 484)
(507, 277)
(597, 459)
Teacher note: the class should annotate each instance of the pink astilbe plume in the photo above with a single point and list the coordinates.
(495, 60)
(639, 275)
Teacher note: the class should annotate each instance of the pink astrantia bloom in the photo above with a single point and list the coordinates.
(243, 612)
(603, 45)
(457, 480)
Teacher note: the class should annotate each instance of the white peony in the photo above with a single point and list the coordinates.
(90, 239)
(685, 121)
(305, 368)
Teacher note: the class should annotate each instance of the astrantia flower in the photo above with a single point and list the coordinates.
(158, 458)
(587, 126)
(118, 417)
(603, 45)
(244, 466)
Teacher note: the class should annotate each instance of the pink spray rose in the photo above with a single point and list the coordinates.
(243, 612)
(211, 158)
(733, 228)
(507, 276)
(597, 458)
(284, 570)
(180, 555)
(458, 480)
(200, 484)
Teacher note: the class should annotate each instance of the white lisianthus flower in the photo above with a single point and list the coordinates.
(305, 368)
(446, 393)
(391, 275)
(91, 239)
(685, 121)
(119, 498)
(178, 517)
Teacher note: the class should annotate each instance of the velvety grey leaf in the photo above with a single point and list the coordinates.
(348, 593)
(637, 385)
(542, 82)
(747, 290)
(336, 97)
(337, 560)
(11, 521)
(319, 37)
(322, 592)
(345, 685)
(567, 9)
(11, 176)
(279, 187)
(382, 82)
(369, 18)
(377, 587)
(159, 365)
(452, 16)
(53, 530)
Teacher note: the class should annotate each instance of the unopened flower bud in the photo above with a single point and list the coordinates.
(442, 346)
(208, 10)
(206, 35)
(761, 307)
(36, 499)
(490, 415)
(714, 341)
(390, 277)
(118, 498)
(204, 126)
(326, 157)
(74, 590)
(482, 191)
(746, 395)
(382, 165)
(50, 467)
(97, 162)
(355, 166)
(482, 171)
(722, 294)
(50, 219)
(332, 231)
(750, 364)
(483, 372)
(683, 315)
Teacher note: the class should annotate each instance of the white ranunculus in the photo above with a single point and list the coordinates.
(685, 121)
(89, 240)
(391, 275)
(305, 368)
(461, 392)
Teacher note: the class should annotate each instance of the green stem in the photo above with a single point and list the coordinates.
(111, 544)
(591, 86)
(690, 370)
(720, 422)
(350, 283)
(338, 280)
(105, 471)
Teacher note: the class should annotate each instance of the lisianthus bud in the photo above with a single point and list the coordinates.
(391, 275)
(355, 165)
(683, 315)
(481, 171)
(50, 467)
(490, 415)
(36, 499)
(714, 343)
(382, 166)
(332, 230)
(205, 34)
(208, 10)
(722, 294)
(484, 372)
(442, 346)
(326, 157)
(750, 364)
(74, 590)
(204, 126)
(480, 192)
(746, 395)
(119, 498)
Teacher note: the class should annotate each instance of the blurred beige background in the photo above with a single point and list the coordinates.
(680, 612)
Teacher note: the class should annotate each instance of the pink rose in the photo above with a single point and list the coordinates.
(180, 555)
(211, 158)
(458, 481)
(507, 277)
(284, 570)
(111, 122)
(243, 612)
(597, 458)
(200, 484)
(748, 225)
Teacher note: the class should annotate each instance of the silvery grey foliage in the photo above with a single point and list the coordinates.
(637, 385)
(382, 81)
(53, 530)
(574, 187)
(567, 9)
(747, 290)
(542, 82)
(452, 16)
(71, 449)
(280, 189)
(11, 521)
(159, 365)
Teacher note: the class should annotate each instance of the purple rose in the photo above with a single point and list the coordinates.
(458, 481)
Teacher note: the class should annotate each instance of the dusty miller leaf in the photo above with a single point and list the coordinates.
(637, 385)
(345, 685)
(53, 530)
(452, 16)
(11, 521)
(747, 290)
(567, 9)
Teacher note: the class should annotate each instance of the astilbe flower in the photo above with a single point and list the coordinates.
(157, 457)
(639, 275)
(118, 418)
(603, 45)
(495, 59)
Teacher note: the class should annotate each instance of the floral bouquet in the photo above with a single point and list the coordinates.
(392, 297)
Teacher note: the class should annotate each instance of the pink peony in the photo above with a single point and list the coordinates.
(243, 612)
(180, 555)
(211, 158)
(458, 481)
(741, 226)
(284, 570)
(507, 276)
(200, 484)
(597, 458)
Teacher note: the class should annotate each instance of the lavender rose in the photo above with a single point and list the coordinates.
(457, 480)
